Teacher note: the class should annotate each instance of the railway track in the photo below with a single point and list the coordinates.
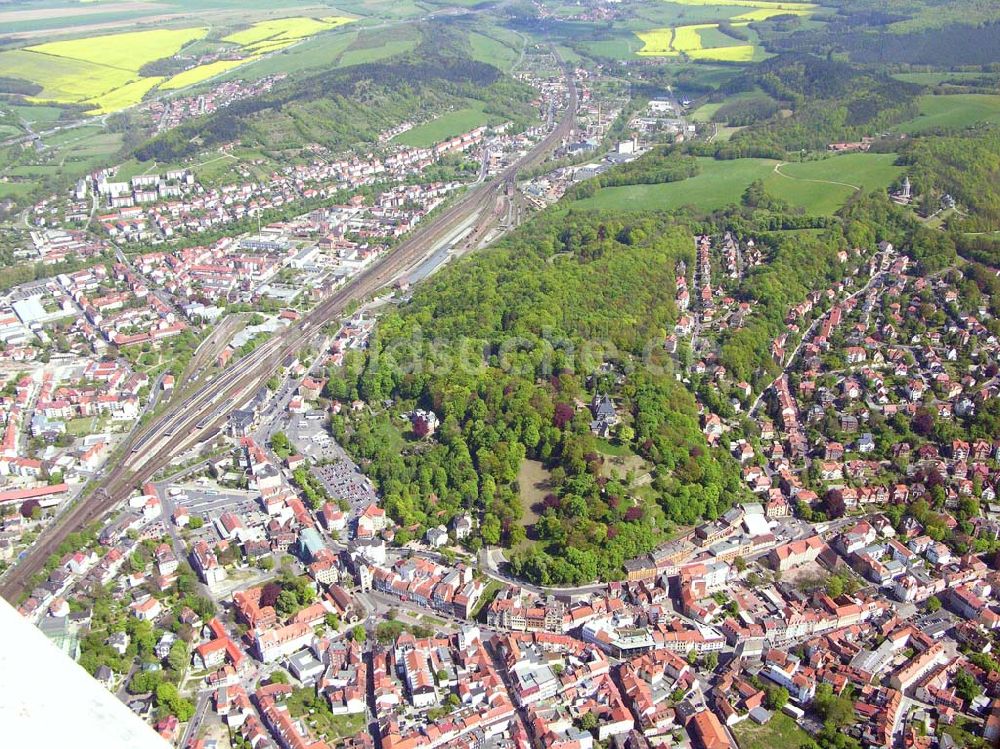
(195, 417)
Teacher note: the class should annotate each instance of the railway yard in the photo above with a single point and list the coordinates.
(198, 417)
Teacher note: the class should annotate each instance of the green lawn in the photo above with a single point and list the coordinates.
(612, 448)
(706, 112)
(953, 111)
(779, 732)
(810, 185)
(446, 126)
(15, 189)
(718, 184)
(322, 51)
(38, 113)
(80, 427)
(371, 46)
(493, 50)
(935, 78)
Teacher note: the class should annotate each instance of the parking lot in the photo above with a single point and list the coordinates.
(344, 480)
(311, 438)
(209, 502)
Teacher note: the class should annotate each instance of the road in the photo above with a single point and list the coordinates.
(807, 336)
(200, 709)
(190, 421)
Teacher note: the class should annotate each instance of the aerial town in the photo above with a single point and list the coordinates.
(307, 445)
(256, 592)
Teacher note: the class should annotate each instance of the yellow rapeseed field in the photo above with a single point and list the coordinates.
(687, 38)
(62, 80)
(129, 51)
(203, 72)
(103, 71)
(284, 29)
(120, 98)
(657, 42)
(746, 3)
(762, 14)
(740, 53)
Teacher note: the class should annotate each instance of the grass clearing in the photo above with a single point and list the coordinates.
(39, 113)
(360, 55)
(706, 112)
(446, 126)
(812, 184)
(486, 48)
(819, 187)
(718, 184)
(953, 111)
(780, 731)
(532, 484)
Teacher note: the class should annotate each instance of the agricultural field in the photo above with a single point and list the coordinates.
(124, 96)
(701, 41)
(819, 187)
(62, 80)
(953, 111)
(201, 73)
(128, 51)
(491, 48)
(311, 54)
(935, 78)
(103, 72)
(446, 126)
(704, 40)
(691, 41)
(269, 36)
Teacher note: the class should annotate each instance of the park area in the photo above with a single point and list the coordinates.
(819, 187)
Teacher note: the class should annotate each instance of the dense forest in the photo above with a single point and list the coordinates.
(508, 349)
(956, 44)
(828, 101)
(348, 105)
(965, 166)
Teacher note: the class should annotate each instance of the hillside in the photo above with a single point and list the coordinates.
(348, 105)
(507, 348)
